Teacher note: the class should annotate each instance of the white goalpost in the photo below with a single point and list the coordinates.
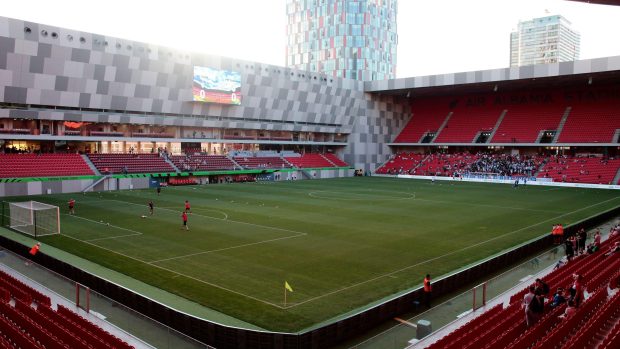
(34, 218)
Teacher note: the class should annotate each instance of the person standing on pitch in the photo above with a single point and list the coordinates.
(71, 206)
(158, 190)
(184, 216)
(427, 290)
(151, 207)
(187, 207)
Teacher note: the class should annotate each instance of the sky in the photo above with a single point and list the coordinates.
(435, 37)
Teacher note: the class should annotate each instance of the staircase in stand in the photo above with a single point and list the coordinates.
(616, 138)
(561, 125)
(286, 161)
(171, 164)
(328, 160)
(499, 122)
(445, 122)
(239, 167)
(91, 186)
(91, 165)
(617, 177)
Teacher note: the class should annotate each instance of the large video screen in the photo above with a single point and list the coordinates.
(216, 86)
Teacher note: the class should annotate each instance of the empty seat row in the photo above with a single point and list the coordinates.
(42, 165)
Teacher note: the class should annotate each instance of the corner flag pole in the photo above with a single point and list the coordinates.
(287, 287)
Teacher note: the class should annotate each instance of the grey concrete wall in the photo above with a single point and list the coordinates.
(125, 82)
(67, 186)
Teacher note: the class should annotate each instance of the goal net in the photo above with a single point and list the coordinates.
(34, 218)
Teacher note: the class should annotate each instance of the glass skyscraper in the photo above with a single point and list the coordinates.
(354, 39)
(544, 40)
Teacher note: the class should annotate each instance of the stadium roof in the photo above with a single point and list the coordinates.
(589, 71)
(600, 2)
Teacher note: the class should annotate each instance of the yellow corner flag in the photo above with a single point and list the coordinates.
(288, 287)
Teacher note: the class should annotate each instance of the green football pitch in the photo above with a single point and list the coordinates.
(341, 244)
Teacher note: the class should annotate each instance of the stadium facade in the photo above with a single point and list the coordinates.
(62, 87)
(544, 40)
(116, 90)
(350, 39)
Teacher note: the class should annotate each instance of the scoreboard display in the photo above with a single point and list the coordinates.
(216, 86)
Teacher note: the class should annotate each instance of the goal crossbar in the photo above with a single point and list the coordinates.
(34, 218)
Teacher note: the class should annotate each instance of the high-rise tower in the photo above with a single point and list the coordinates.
(544, 40)
(355, 39)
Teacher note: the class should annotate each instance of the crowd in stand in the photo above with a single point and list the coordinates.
(505, 165)
(585, 168)
(574, 294)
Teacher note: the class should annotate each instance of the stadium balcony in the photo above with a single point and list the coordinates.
(596, 322)
(580, 170)
(238, 137)
(309, 161)
(197, 162)
(261, 162)
(20, 131)
(42, 165)
(130, 163)
(152, 135)
(107, 134)
(591, 124)
(523, 124)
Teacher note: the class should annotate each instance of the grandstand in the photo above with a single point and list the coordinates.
(92, 114)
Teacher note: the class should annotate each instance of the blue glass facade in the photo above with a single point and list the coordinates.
(354, 39)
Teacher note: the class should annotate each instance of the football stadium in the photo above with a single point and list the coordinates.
(156, 198)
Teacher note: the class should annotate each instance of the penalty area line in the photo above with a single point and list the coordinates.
(178, 274)
(135, 233)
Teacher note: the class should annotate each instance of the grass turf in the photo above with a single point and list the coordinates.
(341, 243)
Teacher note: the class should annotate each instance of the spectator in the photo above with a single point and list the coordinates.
(582, 236)
(526, 303)
(596, 244)
(535, 309)
(576, 290)
(558, 298)
(614, 249)
(560, 264)
(570, 310)
(542, 287)
(568, 247)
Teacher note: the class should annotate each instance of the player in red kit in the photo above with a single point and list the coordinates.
(184, 216)
(187, 207)
(71, 206)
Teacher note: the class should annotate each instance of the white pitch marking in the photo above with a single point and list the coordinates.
(227, 248)
(208, 217)
(442, 256)
(135, 233)
(370, 198)
(197, 208)
(177, 273)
